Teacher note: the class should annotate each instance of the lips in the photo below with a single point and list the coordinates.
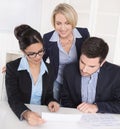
(83, 73)
(37, 61)
(63, 33)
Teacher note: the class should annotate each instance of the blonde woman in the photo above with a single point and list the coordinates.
(64, 43)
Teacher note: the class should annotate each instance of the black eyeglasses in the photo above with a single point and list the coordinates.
(34, 54)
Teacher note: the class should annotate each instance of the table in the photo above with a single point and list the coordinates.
(8, 120)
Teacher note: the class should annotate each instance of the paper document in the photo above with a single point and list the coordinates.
(100, 120)
(61, 117)
(83, 121)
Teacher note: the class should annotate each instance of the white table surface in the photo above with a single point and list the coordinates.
(8, 120)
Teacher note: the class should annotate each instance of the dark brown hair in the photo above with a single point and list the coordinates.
(26, 36)
(95, 47)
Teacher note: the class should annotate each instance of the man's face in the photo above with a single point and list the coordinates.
(89, 66)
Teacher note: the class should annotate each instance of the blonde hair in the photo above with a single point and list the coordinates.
(68, 11)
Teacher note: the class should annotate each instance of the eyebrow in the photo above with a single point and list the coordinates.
(60, 21)
(88, 65)
(36, 52)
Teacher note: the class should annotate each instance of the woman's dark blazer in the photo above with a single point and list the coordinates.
(19, 86)
(52, 50)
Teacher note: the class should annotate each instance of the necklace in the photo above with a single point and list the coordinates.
(66, 42)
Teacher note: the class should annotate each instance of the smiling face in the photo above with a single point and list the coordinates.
(34, 53)
(89, 66)
(62, 26)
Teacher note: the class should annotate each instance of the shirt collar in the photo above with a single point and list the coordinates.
(96, 73)
(55, 36)
(43, 68)
(76, 33)
(25, 66)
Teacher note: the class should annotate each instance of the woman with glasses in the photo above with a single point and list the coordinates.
(29, 79)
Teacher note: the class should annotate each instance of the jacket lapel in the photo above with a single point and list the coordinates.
(101, 83)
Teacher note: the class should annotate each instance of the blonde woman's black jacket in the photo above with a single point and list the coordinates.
(52, 50)
(19, 86)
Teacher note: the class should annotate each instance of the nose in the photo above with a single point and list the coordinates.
(63, 27)
(38, 56)
(85, 69)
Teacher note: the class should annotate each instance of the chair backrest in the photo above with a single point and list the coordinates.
(9, 57)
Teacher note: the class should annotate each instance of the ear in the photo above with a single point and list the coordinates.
(102, 63)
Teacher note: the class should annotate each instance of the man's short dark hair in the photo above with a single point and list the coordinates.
(95, 47)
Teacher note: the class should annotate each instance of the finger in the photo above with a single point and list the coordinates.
(80, 106)
(51, 108)
(83, 108)
(36, 121)
(32, 122)
(41, 121)
(56, 108)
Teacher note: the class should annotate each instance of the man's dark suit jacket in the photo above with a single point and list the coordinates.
(52, 50)
(19, 86)
(107, 91)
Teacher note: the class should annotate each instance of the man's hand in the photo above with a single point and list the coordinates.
(53, 106)
(32, 118)
(87, 108)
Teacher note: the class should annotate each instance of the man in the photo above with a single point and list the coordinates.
(93, 85)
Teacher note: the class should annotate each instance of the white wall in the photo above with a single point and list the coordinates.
(101, 17)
